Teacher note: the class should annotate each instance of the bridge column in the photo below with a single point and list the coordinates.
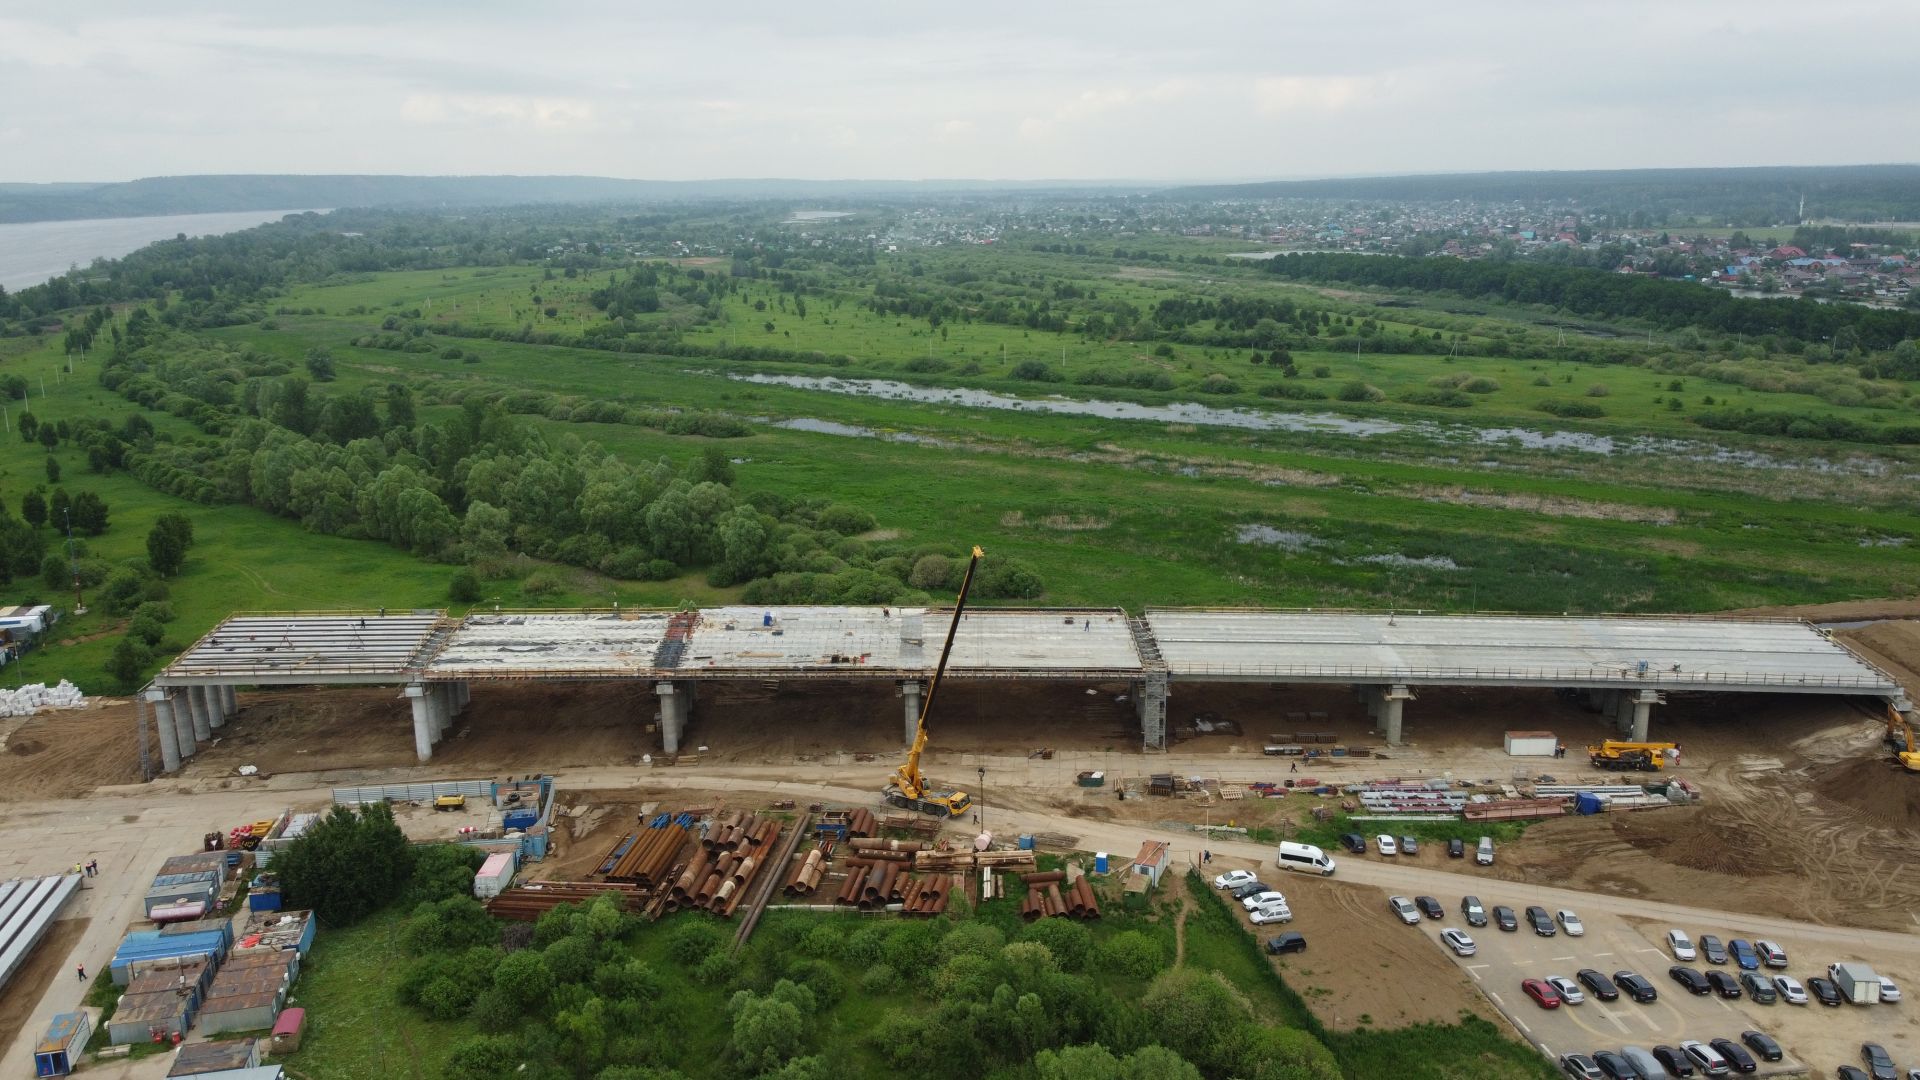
(216, 707)
(423, 733)
(169, 736)
(1150, 704)
(231, 698)
(183, 736)
(676, 701)
(913, 696)
(1624, 703)
(462, 694)
(1643, 704)
(197, 708)
(442, 711)
(1392, 701)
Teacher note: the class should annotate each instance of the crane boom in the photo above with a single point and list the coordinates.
(909, 788)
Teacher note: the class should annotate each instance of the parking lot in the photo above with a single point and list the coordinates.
(1816, 1038)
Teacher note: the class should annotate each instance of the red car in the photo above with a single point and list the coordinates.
(1542, 992)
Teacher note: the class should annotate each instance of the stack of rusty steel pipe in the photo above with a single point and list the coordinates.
(865, 844)
(973, 860)
(1048, 895)
(528, 903)
(644, 858)
(717, 876)
(806, 874)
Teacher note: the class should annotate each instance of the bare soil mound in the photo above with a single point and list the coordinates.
(65, 753)
(1876, 787)
(1894, 646)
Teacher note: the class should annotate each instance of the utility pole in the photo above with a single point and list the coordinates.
(79, 604)
(983, 798)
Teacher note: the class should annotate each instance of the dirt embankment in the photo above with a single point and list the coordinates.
(1840, 611)
(1892, 646)
(65, 753)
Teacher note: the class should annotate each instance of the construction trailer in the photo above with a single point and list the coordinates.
(216, 1059)
(287, 1031)
(154, 1017)
(494, 875)
(248, 992)
(145, 948)
(60, 1048)
(268, 931)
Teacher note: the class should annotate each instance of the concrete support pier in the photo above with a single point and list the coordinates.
(183, 734)
(1150, 704)
(676, 701)
(1392, 701)
(423, 733)
(197, 710)
(913, 696)
(216, 707)
(1642, 718)
(169, 735)
(231, 697)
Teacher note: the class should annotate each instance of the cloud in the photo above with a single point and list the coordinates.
(552, 114)
(1322, 93)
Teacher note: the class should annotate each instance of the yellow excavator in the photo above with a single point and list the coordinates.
(1900, 740)
(908, 788)
(1630, 756)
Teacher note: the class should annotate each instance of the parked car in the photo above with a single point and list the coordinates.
(1541, 922)
(1705, 1058)
(1695, 982)
(1456, 848)
(1354, 842)
(1744, 954)
(1636, 987)
(1724, 983)
(1580, 1067)
(1615, 1067)
(1483, 852)
(1644, 1060)
(1233, 879)
(1711, 949)
(1825, 989)
(1790, 989)
(1271, 913)
(1673, 1060)
(1759, 988)
(1471, 910)
(1458, 941)
(1409, 845)
(1771, 954)
(1848, 1072)
(1288, 942)
(1241, 892)
(1889, 990)
(1737, 1057)
(1430, 907)
(1571, 923)
(1542, 994)
(1878, 1062)
(1761, 1043)
(1385, 845)
(1503, 918)
(1404, 908)
(1598, 984)
(1263, 899)
(1568, 990)
(1681, 945)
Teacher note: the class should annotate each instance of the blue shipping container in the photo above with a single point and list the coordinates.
(1587, 803)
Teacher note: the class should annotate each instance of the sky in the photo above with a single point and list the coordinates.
(1201, 90)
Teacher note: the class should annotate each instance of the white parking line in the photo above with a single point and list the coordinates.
(1522, 1025)
(1558, 958)
(1496, 999)
(1603, 954)
(1474, 970)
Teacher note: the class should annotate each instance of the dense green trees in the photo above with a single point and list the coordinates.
(168, 541)
(348, 865)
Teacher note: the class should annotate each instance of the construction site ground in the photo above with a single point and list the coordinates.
(1805, 824)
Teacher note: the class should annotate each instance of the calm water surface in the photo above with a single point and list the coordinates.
(33, 251)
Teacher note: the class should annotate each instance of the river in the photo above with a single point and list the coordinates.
(33, 251)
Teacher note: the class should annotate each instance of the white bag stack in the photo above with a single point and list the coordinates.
(33, 697)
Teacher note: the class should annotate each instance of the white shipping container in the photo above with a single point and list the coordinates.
(494, 876)
(1531, 743)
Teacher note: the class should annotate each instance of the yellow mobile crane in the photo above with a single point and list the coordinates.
(1900, 740)
(908, 788)
(1630, 756)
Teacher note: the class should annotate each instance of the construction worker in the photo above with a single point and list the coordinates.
(81, 970)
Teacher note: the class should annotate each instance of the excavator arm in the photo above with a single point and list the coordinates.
(1900, 739)
(909, 788)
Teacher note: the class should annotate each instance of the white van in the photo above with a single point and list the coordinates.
(1304, 857)
(1484, 853)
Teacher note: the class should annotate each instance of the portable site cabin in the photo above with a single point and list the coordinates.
(216, 1059)
(494, 876)
(190, 976)
(60, 1048)
(267, 931)
(182, 890)
(145, 946)
(248, 992)
(144, 1017)
(222, 927)
(1531, 743)
(1152, 861)
(287, 1030)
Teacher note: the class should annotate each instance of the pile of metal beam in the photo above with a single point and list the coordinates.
(526, 903)
(1048, 896)
(645, 858)
(716, 878)
(973, 860)
(1515, 809)
(1411, 801)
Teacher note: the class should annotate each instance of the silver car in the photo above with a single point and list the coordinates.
(1681, 945)
(1458, 941)
(1790, 989)
(1404, 908)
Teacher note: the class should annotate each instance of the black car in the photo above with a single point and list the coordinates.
(1250, 888)
(1759, 988)
(1456, 849)
(1695, 982)
(1470, 908)
(1354, 842)
(1541, 922)
(1429, 907)
(1736, 1055)
(1761, 1043)
(1826, 990)
(1711, 950)
(1580, 1067)
(1503, 918)
(1598, 984)
(1879, 1064)
(1848, 1072)
(1724, 984)
(1675, 1061)
(1289, 942)
(1636, 987)
(1616, 1067)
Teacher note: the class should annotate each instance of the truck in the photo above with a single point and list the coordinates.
(1857, 982)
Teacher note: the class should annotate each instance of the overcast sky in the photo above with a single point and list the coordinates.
(111, 90)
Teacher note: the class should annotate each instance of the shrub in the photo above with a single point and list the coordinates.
(1292, 392)
(1598, 390)
(691, 942)
(1135, 954)
(928, 365)
(1322, 371)
(1217, 383)
(464, 588)
(1451, 399)
(1572, 410)
(1356, 390)
(1034, 371)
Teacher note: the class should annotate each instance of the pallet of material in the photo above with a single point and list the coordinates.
(526, 903)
